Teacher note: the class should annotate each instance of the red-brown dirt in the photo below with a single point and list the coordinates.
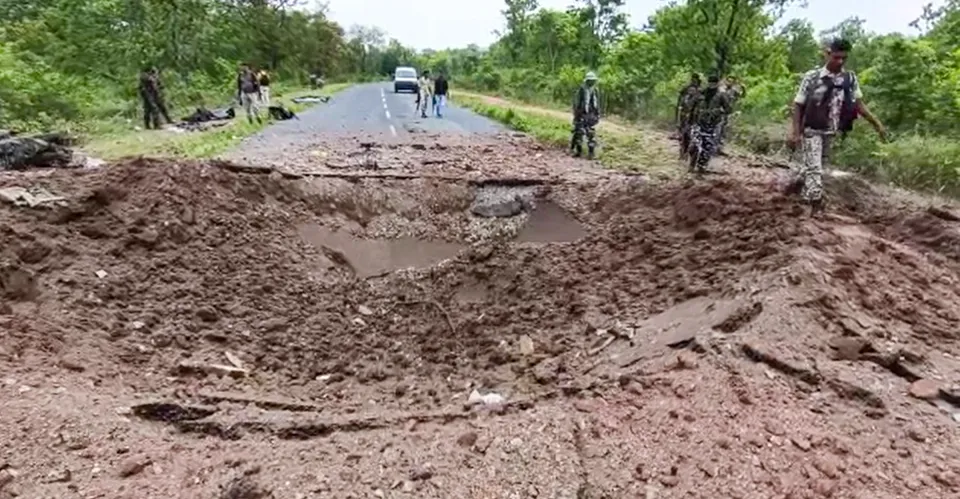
(169, 331)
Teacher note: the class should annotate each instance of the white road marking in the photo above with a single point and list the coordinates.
(393, 130)
(388, 114)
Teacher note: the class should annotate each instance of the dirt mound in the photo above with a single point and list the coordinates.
(265, 308)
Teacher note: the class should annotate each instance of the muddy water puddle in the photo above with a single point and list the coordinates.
(543, 222)
(372, 257)
(549, 223)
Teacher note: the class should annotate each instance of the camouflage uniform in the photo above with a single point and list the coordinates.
(586, 116)
(816, 143)
(151, 95)
(688, 97)
(425, 95)
(734, 92)
(707, 118)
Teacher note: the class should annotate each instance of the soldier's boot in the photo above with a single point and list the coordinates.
(794, 187)
(590, 152)
(577, 150)
(816, 208)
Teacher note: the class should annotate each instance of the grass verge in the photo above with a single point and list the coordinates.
(115, 139)
(620, 147)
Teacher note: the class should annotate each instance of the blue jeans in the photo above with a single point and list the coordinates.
(441, 103)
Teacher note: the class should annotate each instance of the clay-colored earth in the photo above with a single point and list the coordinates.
(202, 330)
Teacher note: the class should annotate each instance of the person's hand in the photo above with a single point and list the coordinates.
(882, 132)
(793, 140)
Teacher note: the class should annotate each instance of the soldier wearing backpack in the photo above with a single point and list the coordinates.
(827, 103)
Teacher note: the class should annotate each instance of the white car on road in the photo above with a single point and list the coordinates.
(405, 78)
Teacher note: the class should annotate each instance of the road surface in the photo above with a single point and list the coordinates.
(368, 109)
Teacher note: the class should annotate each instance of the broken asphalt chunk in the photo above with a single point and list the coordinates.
(170, 412)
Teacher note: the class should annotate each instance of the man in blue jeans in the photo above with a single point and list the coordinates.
(440, 93)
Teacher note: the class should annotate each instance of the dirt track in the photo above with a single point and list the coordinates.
(190, 330)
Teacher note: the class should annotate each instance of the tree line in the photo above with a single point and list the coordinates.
(910, 80)
(77, 60)
(74, 61)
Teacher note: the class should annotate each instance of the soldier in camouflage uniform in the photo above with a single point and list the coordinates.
(151, 93)
(735, 91)
(688, 96)
(586, 116)
(707, 115)
(828, 101)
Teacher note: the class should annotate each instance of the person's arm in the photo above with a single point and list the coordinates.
(862, 110)
(578, 103)
(240, 87)
(873, 120)
(799, 101)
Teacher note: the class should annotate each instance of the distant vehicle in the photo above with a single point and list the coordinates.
(405, 78)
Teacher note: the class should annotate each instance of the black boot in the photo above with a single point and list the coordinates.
(794, 187)
(816, 208)
(590, 152)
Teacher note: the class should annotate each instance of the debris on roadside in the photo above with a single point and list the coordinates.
(311, 99)
(187, 367)
(30, 197)
(490, 398)
(49, 150)
(204, 119)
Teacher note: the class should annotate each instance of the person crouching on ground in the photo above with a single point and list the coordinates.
(248, 92)
(828, 101)
(425, 93)
(586, 116)
(440, 93)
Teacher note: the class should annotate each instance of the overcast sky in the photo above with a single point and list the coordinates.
(441, 24)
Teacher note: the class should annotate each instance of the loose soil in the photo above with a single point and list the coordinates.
(347, 327)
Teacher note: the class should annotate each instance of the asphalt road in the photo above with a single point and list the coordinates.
(371, 108)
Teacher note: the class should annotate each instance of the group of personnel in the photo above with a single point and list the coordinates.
(432, 94)
(828, 101)
(703, 117)
(253, 92)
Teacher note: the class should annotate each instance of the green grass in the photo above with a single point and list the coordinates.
(117, 139)
(620, 147)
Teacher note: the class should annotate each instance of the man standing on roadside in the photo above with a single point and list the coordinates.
(263, 79)
(151, 93)
(586, 116)
(827, 103)
(426, 93)
(440, 91)
(248, 92)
